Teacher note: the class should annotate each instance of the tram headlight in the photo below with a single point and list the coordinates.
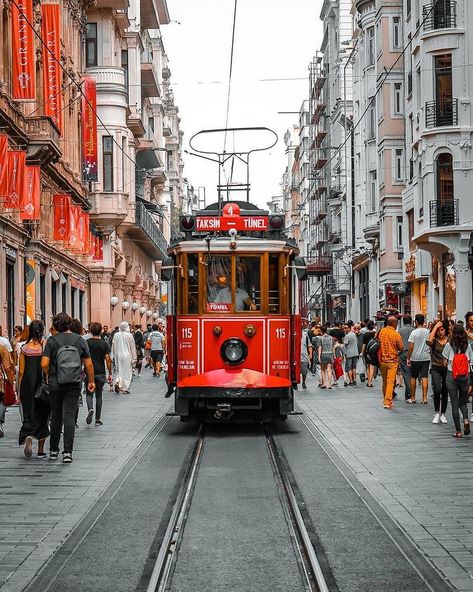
(233, 351)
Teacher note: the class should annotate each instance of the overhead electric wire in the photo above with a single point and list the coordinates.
(230, 74)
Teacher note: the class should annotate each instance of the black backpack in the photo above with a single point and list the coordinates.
(68, 363)
(371, 352)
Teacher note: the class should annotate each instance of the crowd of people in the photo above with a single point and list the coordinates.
(402, 356)
(50, 374)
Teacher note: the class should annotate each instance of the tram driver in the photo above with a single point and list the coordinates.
(224, 295)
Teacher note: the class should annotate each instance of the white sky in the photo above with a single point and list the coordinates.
(273, 39)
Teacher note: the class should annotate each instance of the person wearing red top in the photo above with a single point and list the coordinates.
(390, 345)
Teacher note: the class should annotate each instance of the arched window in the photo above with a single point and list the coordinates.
(445, 190)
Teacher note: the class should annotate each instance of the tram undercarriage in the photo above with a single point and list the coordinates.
(233, 404)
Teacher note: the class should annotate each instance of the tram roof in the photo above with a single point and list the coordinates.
(244, 244)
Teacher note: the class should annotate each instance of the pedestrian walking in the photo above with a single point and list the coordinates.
(326, 355)
(405, 332)
(100, 355)
(5, 342)
(140, 345)
(7, 374)
(147, 346)
(350, 342)
(35, 410)
(437, 341)
(124, 358)
(418, 358)
(390, 344)
(158, 348)
(459, 356)
(368, 335)
(62, 361)
(314, 336)
(306, 353)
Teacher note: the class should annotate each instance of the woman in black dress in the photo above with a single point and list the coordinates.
(35, 411)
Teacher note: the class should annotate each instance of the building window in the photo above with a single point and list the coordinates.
(372, 120)
(370, 46)
(91, 45)
(410, 228)
(11, 296)
(399, 227)
(73, 302)
(64, 295)
(399, 165)
(397, 89)
(420, 184)
(42, 296)
(125, 66)
(107, 157)
(396, 32)
(364, 287)
(373, 190)
(381, 167)
(53, 297)
(408, 8)
(124, 159)
(445, 190)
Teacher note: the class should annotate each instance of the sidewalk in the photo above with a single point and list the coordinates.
(41, 501)
(420, 474)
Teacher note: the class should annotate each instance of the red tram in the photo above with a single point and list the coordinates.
(233, 328)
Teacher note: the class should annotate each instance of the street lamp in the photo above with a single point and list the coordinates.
(134, 306)
(149, 313)
(142, 310)
(125, 305)
(113, 301)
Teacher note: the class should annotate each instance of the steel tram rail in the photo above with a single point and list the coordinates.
(311, 568)
(162, 571)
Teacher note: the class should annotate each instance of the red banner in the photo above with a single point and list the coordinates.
(51, 33)
(98, 256)
(16, 164)
(89, 130)
(83, 231)
(23, 52)
(92, 239)
(62, 217)
(74, 221)
(30, 199)
(3, 165)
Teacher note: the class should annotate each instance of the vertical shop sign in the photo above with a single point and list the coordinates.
(52, 63)
(30, 199)
(30, 288)
(89, 130)
(16, 164)
(62, 217)
(23, 54)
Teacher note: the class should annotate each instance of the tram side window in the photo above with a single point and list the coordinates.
(274, 304)
(248, 283)
(192, 284)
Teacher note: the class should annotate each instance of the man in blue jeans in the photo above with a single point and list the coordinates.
(64, 397)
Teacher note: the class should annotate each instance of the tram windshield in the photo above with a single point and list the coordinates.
(233, 284)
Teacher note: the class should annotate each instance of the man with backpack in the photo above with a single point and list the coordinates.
(62, 361)
(390, 344)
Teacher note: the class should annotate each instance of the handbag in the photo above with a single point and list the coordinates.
(148, 344)
(42, 392)
(9, 396)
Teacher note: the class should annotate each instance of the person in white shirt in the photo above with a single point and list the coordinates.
(418, 358)
(5, 342)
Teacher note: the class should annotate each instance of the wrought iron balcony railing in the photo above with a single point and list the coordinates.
(440, 15)
(441, 113)
(146, 221)
(443, 213)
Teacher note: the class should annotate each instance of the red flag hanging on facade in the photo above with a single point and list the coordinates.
(98, 256)
(16, 164)
(30, 198)
(52, 79)
(3, 165)
(84, 231)
(23, 52)
(92, 239)
(62, 217)
(74, 222)
(89, 130)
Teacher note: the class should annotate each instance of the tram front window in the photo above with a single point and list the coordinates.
(221, 296)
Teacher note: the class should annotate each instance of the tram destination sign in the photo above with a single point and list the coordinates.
(214, 223)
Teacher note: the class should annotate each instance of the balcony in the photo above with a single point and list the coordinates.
(319, 138)
(320, 163)
(319, 266)
(111, 88)
(147, 233)
(319, 109)
(153, 14)
(149, 77)
(319, 84)
(108, 209)
(113, 4)
(43, 141)
(440, 15)
(443, 213)
(122, 20)
(371, 227)
(441, 113)
(134, 122)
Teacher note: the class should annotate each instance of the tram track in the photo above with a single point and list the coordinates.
(301, 533)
